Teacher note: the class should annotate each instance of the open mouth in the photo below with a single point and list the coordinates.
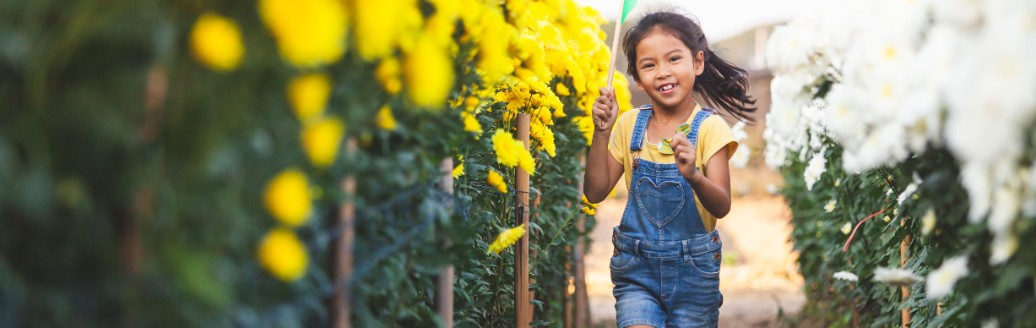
(666, 88)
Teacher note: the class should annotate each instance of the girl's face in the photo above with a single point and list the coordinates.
(667, 68)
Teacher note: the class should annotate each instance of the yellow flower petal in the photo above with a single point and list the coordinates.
(321, 139)
(283, 255)
(308, 32)
(511, 152)
(429, 74)
(506, 238)
(497, 181)
(387, 74)
(288, 198)
(385, 120)
(458, 171)
(308, 95)
(216, 42)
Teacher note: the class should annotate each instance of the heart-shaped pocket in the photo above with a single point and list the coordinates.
(660, 203)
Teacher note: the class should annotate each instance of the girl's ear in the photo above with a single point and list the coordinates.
(640, 86)
(699, 63)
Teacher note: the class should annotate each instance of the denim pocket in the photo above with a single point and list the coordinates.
(622, 261)
(707, 263)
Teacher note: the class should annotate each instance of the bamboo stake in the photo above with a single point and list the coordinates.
(521, 254)
(581, 299)
(344, 254)
(904, 290)
(444, 296)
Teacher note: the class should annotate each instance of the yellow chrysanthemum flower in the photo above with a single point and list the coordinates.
(544, 136)
(308, 95)
(622, 92)
(562, 90)
(283, 255)
(383, 25)
(511, 152)
(494, 60)
(429, 75)
(458, 171)
(586, 126)
(321, 139)
(385, 120)
(216, 42)
(588, 207)
(495, 180)
(506, 238)
(471, 123)
(288, 198)
(387, 74)
(308, 32)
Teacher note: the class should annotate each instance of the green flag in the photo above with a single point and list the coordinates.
(627, 7)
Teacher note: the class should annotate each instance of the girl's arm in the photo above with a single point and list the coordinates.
(602, 170)
(713, 190)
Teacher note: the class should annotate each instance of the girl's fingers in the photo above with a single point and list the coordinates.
(684, 157)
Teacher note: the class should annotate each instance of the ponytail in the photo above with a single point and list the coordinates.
(721, 84)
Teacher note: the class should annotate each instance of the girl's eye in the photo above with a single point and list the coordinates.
(648, 66)
(674, 59)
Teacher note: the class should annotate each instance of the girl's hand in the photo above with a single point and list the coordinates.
(606, 110)
(684, 151)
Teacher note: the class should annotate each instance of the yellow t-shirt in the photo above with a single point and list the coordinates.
(713, 135)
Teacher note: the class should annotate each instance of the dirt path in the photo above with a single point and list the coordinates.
(758, 277)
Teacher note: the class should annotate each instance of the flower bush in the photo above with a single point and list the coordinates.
(914, 116)
(182, 164)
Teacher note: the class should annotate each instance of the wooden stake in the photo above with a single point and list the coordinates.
(522, 308)
(344, 253)
(581, 299)
(904, 290)
(444, 294)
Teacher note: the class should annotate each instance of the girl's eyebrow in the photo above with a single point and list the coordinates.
(666, 54)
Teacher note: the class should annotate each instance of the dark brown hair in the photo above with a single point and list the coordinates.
(722, 84)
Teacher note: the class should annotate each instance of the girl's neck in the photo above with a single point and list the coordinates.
(681, 113)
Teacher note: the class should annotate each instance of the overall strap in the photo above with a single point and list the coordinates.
(696, 124)
(640, 128)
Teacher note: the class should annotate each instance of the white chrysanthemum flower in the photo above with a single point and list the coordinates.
(1006, 205)
(910, 189)
(896, 276)
(830, 206)
(977, 180)
(845, 275)
(1029, 176)
(847, 228)
(844, 116)
(1004, 245)
(741, 156)
(940, 281)
(817, 166)
(928, 222)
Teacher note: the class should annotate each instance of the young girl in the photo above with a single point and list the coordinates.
(674, 155)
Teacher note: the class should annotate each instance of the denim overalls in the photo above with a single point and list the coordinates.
(666, 266)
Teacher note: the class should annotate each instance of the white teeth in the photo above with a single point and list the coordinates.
(667, 87)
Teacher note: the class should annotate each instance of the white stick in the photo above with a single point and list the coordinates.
(615, 44)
